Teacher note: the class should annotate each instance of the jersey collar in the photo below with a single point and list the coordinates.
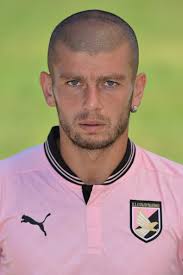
(54, 157)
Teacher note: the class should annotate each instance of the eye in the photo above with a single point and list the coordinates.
(73, 83)
(111, 84)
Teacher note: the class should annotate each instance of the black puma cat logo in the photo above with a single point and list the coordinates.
(31, 221)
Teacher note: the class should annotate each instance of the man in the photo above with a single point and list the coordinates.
(89, 201)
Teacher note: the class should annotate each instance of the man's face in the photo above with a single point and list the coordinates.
(93, 95)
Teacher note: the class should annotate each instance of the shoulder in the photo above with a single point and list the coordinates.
(27, 160)
(156, 163)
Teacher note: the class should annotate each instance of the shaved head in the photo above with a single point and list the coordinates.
(93, 31)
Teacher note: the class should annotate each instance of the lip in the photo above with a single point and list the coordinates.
(92, 123)
(91, 126)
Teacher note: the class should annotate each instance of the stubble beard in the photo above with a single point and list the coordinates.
(89, 143)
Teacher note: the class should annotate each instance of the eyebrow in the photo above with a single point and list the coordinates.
(66, 76)
(116, 76)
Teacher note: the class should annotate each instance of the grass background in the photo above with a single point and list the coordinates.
(25, 28)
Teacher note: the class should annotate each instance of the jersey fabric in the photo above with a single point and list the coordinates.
(51, 223)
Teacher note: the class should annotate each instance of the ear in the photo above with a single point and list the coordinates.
(139, 86)
(46, 84)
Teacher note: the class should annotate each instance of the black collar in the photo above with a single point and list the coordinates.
(53, 154)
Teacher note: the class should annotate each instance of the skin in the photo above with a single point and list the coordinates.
(93, 94)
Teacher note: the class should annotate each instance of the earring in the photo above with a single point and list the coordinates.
(133, 109)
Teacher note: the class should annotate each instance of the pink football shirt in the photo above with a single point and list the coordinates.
(51, 223)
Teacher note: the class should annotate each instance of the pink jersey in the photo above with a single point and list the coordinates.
(51, 223)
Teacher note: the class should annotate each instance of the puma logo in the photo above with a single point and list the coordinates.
(32, 221)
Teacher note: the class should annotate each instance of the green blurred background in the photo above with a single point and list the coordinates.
(25, 28)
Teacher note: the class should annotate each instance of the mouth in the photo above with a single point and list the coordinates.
(92, 126)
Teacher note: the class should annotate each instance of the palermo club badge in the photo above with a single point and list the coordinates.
(145, 219)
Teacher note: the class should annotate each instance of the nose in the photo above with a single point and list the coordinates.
(92, 98)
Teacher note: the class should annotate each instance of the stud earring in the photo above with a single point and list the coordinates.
(133, 109)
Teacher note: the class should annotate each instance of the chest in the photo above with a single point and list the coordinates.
(117, 230)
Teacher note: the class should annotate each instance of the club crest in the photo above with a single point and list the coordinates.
(145, 219)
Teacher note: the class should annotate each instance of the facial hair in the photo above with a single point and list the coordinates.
(88, 143)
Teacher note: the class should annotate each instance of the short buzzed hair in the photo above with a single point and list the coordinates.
(93, 31)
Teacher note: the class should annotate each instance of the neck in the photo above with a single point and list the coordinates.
(93, 166)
